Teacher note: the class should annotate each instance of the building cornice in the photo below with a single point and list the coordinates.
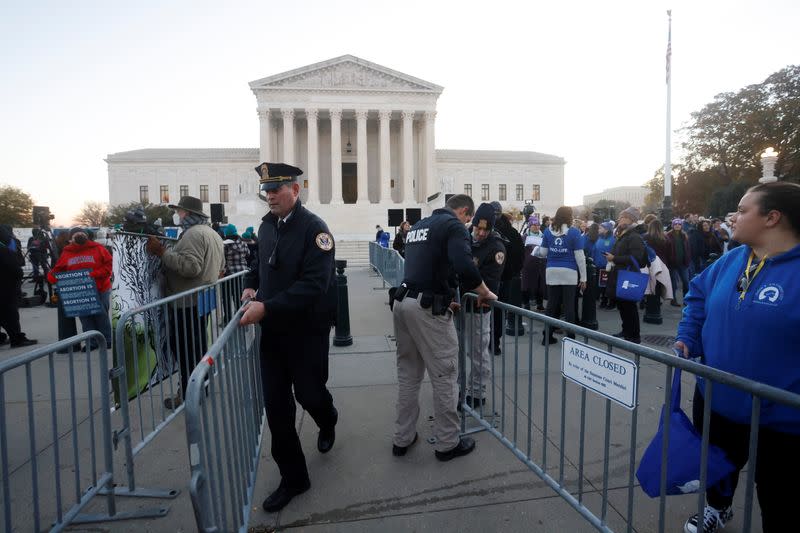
(496, 156)
(184, 154)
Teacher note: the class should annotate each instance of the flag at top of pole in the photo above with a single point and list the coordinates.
(669, 44)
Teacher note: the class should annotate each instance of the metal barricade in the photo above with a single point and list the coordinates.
(53, 410)
(387, 263)
(148, 384)
(225, 418)
(583, 444)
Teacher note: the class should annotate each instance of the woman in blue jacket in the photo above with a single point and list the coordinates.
(605, 242)
(742, 317)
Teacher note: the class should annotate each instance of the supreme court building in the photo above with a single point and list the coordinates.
(364, 136)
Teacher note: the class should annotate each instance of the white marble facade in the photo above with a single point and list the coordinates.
(364, 136)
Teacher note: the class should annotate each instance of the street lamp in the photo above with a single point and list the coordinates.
(768, 159)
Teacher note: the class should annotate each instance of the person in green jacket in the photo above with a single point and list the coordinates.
(197, 259)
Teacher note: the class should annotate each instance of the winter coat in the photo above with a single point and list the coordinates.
(196, 260)
(90, 255)
(629, 246)
(672, 259)
(515, 247)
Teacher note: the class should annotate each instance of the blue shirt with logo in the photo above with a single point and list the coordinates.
(561, 248)
(757, 338)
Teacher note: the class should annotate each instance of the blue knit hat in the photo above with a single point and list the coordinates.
(230, 230)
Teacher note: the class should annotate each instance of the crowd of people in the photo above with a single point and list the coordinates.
(551, 254)
(736, 278)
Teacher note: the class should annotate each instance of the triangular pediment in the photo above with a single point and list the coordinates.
(346, 73)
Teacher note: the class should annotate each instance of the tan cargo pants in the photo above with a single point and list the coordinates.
(426, 342)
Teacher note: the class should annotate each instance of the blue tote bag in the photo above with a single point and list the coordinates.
(631, 284)
(683, 454)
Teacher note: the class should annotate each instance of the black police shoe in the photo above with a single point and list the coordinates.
(464, 446)
(327, 436)
(283, 495)
(473, 402)
(23, 341)
(399, 451)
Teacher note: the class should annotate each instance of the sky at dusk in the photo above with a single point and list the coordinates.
(581, 80)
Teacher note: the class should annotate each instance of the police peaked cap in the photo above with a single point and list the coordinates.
(484, 217)
(273, 175)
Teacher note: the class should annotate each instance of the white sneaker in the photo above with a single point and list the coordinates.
(713, 520)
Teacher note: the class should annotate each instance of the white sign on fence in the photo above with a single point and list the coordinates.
(605, 373)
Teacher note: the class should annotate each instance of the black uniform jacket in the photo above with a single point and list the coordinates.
(294, 273)
(515, 248)
(489, 255)
(435, 245)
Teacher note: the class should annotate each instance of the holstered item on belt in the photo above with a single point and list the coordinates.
(399, 293)
(426, 300)
(440, 304)
(392, 293)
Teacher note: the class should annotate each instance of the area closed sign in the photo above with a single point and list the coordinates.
(605, 373)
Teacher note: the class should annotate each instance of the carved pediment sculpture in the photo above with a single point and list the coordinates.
(347, 72)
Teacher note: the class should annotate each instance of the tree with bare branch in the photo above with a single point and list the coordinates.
(93, 214)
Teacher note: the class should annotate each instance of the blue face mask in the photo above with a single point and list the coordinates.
(12, 245)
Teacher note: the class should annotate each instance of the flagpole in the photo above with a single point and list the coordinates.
(667, 210)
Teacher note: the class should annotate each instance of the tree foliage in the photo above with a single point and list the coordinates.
(116, 214)
(16, 207)
(93, 214)
(724, 141)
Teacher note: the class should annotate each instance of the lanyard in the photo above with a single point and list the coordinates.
(747, 279)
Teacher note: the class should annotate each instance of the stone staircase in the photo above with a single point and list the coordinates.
(355, 252)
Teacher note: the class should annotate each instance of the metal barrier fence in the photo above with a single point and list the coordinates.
(225, 418)
(546, 424)
(149, 341)
(388, 263)
(46, 427)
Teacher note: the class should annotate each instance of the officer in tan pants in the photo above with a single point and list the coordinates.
(423, 310)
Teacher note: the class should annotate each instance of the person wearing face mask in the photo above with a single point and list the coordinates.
(84, 254)
(197, 259)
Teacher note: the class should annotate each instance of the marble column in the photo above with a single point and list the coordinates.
(265, 146)
(288, 136)
(407, 195)
(430, 155)
(336, 156)
(385, 157)
(312, 172)
(361, 159)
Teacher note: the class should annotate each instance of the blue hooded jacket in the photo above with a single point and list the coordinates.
(759, 340)
(603, 245)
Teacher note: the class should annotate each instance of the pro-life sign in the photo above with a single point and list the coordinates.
(77, 292)
(606, 374)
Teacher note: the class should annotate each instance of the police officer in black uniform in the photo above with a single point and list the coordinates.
(489, 255)
(292, 283)
(423, 310)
